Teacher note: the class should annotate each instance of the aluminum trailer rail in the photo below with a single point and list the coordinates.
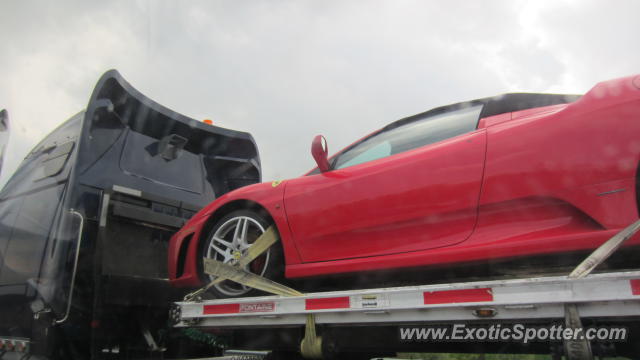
(614, 296)
(600, 295)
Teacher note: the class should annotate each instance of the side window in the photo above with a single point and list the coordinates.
(378, 151)
(25, 233)
(409, 136)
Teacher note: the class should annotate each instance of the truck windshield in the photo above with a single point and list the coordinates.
(30, 202)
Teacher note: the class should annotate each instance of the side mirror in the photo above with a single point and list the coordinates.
(320, 152)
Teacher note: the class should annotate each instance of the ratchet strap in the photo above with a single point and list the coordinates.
(234, 270)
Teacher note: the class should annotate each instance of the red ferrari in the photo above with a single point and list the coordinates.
(503, 177)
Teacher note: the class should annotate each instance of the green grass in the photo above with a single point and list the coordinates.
(424, 356)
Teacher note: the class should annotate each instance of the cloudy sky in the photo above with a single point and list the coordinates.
(288, 70)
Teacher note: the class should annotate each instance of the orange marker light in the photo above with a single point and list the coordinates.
(208, 121)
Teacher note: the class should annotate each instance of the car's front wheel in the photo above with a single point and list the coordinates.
(229, 239)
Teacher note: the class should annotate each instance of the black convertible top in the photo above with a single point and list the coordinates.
(496, 105)
(521, 101)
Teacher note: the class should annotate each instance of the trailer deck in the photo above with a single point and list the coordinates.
(613, 297)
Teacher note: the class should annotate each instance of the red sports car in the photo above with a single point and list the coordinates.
(502, 177)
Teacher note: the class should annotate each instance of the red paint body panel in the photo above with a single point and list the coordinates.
(576, 151)
(458, 296)
(493, 120)
(546, 180)
(411, 201)
(458, 254)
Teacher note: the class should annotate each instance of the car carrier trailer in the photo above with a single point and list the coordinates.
(84, 226)
(366, 323)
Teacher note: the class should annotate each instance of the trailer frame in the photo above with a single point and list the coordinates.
(572, 298)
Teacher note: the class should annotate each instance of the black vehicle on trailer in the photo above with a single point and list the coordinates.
(85, 223)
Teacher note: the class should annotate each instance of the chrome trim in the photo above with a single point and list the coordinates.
(127, 191)
(75, 266)
(103, 211)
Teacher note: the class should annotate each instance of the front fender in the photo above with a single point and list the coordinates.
(184, 245)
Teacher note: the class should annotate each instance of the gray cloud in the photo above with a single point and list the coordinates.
(288, 70)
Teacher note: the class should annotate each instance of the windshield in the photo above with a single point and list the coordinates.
(30, 204)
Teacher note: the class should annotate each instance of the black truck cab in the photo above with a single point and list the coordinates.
(86, 219)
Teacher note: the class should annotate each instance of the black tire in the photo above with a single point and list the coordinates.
(269, 265)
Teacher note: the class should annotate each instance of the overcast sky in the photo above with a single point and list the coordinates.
(288, 70)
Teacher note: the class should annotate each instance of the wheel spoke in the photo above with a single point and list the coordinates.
(231, 238)
(219, 251)
(222, 241)
(243, 234)
(238, 230)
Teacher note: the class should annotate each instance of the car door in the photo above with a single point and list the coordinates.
(409, 187)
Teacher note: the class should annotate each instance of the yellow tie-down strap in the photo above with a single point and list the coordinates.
(235, 271)
(311, 344)
(230, 272)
